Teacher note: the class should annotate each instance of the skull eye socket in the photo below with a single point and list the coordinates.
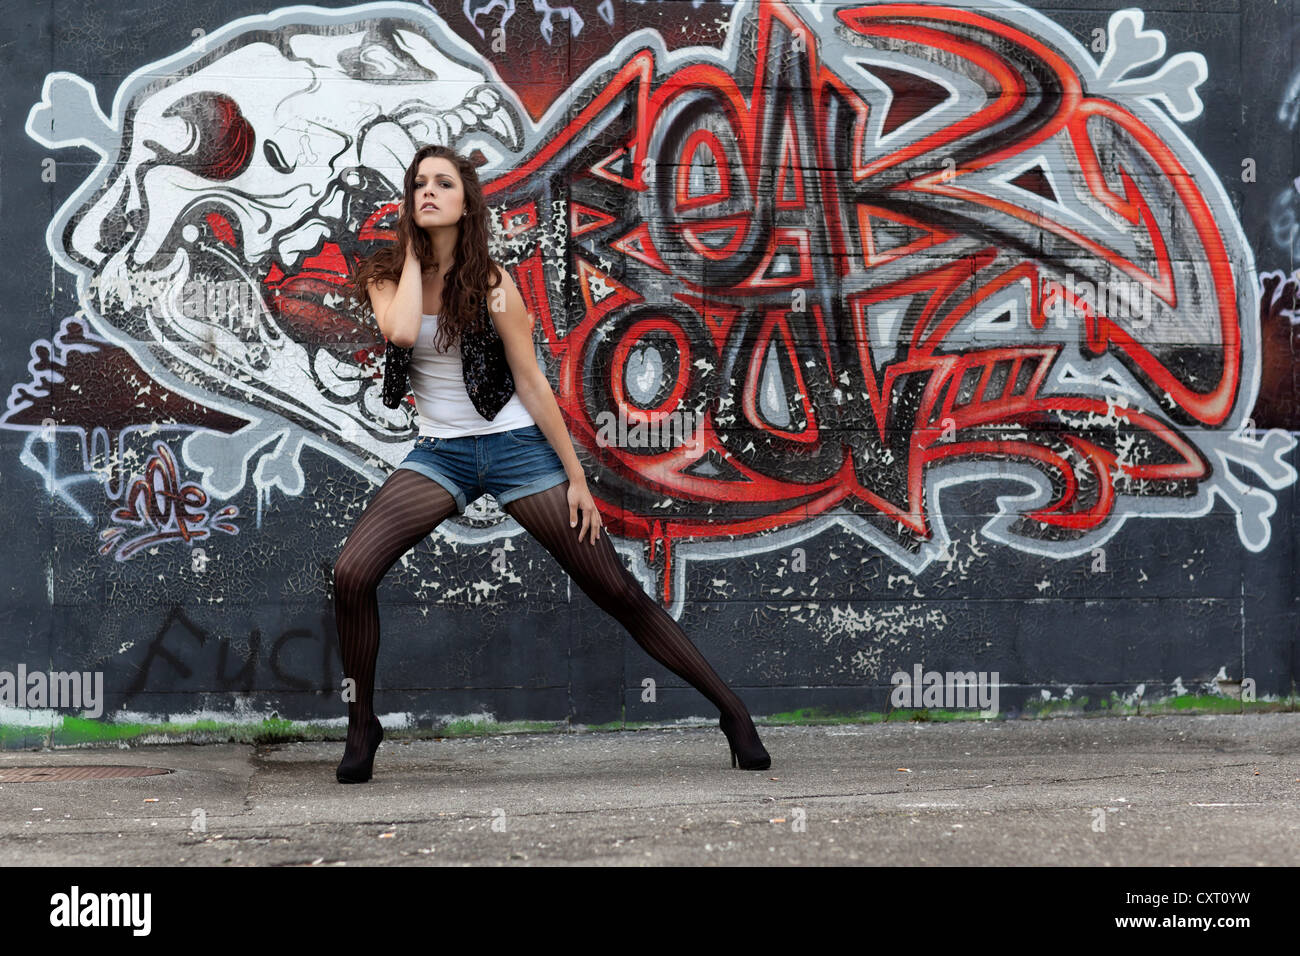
(221, 139)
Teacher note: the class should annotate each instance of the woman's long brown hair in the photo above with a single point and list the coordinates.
(466, 283)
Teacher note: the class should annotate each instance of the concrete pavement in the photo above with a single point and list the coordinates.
(1167, 790)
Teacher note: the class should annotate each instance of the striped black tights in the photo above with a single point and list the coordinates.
(408, 506)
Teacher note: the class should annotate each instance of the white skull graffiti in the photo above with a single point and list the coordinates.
(239, 172)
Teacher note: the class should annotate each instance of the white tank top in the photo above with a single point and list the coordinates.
(438, 385)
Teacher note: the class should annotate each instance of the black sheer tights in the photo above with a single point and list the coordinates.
(409, 506)
(597, 569)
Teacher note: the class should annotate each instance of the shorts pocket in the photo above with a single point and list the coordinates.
(427, 442)
(528, 435)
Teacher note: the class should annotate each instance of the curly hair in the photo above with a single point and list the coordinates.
(466, 283)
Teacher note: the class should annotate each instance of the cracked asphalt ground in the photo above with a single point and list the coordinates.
(1163, 791)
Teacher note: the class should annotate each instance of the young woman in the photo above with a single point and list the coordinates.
(482, 429)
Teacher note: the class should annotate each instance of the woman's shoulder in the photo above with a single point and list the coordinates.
(500, 276)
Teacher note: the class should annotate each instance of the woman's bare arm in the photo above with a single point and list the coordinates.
(515, 326)
(398, 307)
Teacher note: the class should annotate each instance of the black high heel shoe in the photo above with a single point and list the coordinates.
(358, 769)
(752, 754)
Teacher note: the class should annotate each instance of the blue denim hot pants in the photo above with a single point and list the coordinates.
(506, 465)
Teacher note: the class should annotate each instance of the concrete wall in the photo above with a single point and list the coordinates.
(981, 316)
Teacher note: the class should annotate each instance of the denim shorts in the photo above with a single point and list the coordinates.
(506, 465)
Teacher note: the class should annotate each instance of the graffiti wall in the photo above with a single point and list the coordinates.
(894, 338)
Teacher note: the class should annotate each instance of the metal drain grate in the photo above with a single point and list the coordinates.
(54, 774)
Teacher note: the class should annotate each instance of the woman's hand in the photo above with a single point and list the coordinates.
(580, 500)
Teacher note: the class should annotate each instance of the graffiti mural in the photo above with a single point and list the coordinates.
(865, 251)
(1279, 399)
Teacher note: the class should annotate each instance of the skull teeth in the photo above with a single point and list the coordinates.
(499, 122)
(484, 111)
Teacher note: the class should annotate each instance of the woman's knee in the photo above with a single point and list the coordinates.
(351, 576)
(620, 590)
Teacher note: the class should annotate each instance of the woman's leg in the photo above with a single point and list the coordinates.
(406, 508)
(600, 573)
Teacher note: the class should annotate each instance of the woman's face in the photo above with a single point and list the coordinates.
(439, 198)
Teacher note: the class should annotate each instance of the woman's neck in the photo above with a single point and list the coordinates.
(443, 241)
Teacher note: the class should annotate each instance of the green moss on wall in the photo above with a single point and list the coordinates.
(79, 732)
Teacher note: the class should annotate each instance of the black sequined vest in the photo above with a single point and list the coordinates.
(484, 367)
